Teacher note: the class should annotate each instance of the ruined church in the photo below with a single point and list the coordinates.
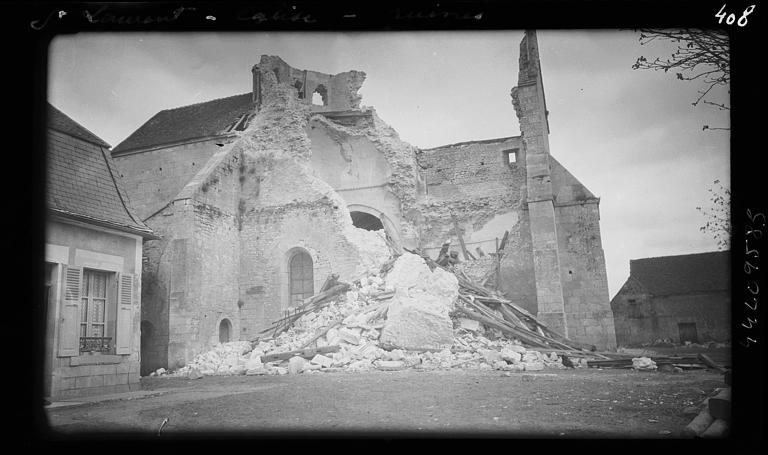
(258, 197)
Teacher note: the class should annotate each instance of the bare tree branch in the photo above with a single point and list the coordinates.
(701, 55)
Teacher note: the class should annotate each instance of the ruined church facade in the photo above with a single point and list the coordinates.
(258, 197)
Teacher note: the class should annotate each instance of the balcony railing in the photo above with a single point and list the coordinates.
(95, 344)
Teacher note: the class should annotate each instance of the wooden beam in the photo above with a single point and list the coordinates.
(504, 241)
(498, 265)
(706, 360)
(461, 239)
(306, 353)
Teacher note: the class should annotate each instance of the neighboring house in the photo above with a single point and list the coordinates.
(92, 268)
(254, 195)
(680, 298)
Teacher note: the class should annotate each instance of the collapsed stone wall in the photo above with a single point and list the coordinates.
(339, 91)
(283, 207)
(404, 181)
(474, 183)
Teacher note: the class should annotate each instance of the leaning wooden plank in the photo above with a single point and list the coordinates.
(461, 239)
(306, 353)
(367, 309)
(710, 363)
(321, 333)
(512, 317)
(504, 328)
(320, 300)
(504, 240)
(524, 331)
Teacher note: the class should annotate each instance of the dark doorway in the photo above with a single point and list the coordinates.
(366, 221)
(147, 362)
(225, 328)
(687, 332)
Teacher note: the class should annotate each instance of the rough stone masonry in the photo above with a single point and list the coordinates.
(254, 198)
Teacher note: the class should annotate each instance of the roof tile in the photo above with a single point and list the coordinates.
(81, 178)
(667, 275)
(189, 122)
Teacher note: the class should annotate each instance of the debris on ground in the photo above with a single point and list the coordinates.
(410, 312)
(643, 363)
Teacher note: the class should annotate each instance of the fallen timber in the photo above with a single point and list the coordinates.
(309, 305)
(480, 304)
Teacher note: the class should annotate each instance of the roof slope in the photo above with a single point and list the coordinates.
(683, 274)
(81, 180)
(566, 187)
(62, 123)
(188, 122)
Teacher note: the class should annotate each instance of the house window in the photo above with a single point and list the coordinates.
(95, 312)
(301, 277)
(510, 157)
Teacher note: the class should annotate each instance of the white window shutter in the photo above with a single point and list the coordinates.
(69, 325)
(124, 314)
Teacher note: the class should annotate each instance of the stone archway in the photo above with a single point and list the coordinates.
(366, 216)
(366, 221)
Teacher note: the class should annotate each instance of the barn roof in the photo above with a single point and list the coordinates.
(688, 273)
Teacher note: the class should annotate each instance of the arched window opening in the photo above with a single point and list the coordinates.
(277, 74)
(366, 221)
(320, 96)
(300, 87)
(225, 328)
(301, 278)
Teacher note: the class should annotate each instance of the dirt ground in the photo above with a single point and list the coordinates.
(551, 403)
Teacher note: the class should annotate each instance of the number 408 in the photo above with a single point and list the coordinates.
(732, 17)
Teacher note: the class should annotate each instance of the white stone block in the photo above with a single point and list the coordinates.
(322, 361)
(295, 364)
(469, 324)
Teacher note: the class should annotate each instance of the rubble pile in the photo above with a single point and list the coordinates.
(403, 315)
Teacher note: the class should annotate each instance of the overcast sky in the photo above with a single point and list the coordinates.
(631, 137)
